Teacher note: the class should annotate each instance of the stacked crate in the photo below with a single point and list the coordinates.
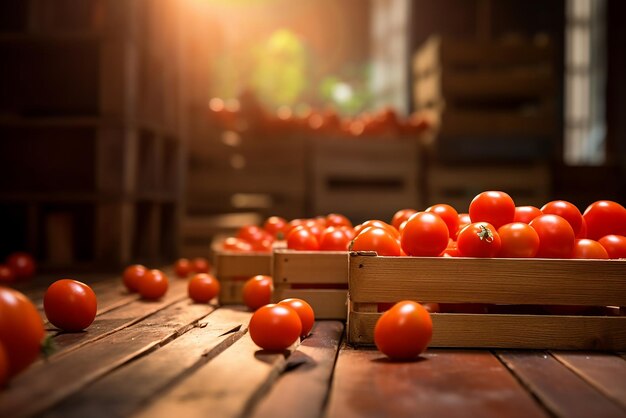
(90, 131)
(497, 115)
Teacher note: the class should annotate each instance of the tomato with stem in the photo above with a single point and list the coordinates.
(478, 239)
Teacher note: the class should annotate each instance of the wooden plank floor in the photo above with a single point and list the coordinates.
(176, 358)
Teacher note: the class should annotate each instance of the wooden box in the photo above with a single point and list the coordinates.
(374, 280)
(233, 269)
(319, 277)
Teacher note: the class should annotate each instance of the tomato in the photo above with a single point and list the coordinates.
(257, 291)
(400, 216)
(249, 232)
(526, 213)
(70, 305)
(615, 245)
(449, 215)
(464, 220)
(556, 236)
(425, 234)
(583, 229)
(518, 240)
(315, 226)
(22, 264)
(431, 307)
(200, 265)
(275, 327)
(377, 224)
(335, 239)
(404, 331)
(496, 208)
(302, 239)
(203, 287)
(133, 275)
(478, 239)
(376, 239)
(565, 210)
(237, 245)
(304, 311)
(21, 329)
(275, 225)
(605, 217)
(154, 285)
(4, 366)
(182, 267)
(588, 248)
(6, 274)
(336, 219)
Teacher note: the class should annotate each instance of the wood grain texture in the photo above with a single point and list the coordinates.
(561, 390)
(326, 303)
(138, 383)
(442, 383)
(509, 331)
(38, 388)
(228, 265)
(302, 390)
(606, 372)
(319, 267)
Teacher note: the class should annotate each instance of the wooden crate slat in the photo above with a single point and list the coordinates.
(557, 387)
(229, 264)
(39, 388)
(326, 303)
(449, 383)
(310, 267)
(305, 388)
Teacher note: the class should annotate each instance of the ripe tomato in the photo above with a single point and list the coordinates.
(302, 239)
(22, 264)
(200, 265)
(133, 275)
(404, 331)
(526, 213)
(588, 248)
(464, 220)
(275, 327)
(6, 274)
(518, 240)
(377, 224)
(583, 229)
(4, 366)
(605, 217)
(70, 305)
(335, 239)
(203, 287)
(478, 239)
(182, 267)
(304, 311)
(401, 216)
(249, 232)
(21, 329)
(153, 285)
(376, 239)
(336, 219)
(449, 215)
(556, 236)
(275, 225)
(257, 291)
(496, 208)
(425, 234)
(565, 210)
(615, 245)
(237, 245)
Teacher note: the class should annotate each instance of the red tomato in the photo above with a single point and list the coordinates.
(478, 239)
(302, 239)
(22, 264)
(133, 275)
(315, 226)
(237, 245)
(526, 213)
(404, 331)
(275, 327)
(400, 216)
(249, 232)
(304, 311)
(203, 287)
(275, 225)
(70, 305)
(21, 329)
(377, 224)
(583, 229)
(588, 248)
(518, 240)
(257, 291)
(615, 245)
(336, 219)
(565, 210)
(496, 208)
(335, 239)
(154, 285)
(4, 366)
(182, 267)
(605, 217)
(200, 265)
(449, 215)
(425, 234)
(556, 236)
(6, 274)
(464, 220)
(376, 239)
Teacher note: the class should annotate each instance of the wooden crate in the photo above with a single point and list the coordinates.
(233, 269)
(319, 277)
(376, 280)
